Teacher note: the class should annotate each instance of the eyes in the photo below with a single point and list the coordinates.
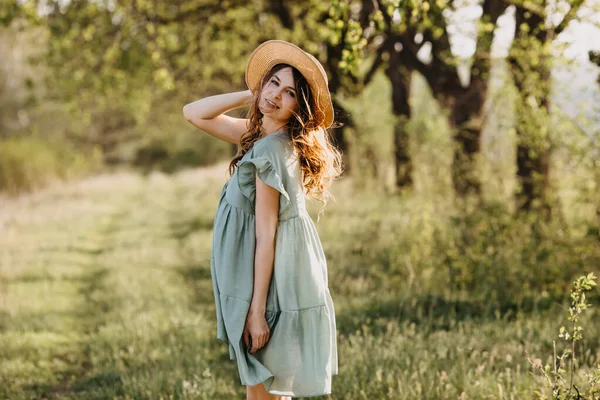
(273, 81)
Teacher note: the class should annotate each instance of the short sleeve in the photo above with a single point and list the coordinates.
(267, 160)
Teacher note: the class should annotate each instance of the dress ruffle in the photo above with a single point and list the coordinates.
(267, 173)
(293, 334)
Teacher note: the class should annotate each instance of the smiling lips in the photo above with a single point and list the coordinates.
(270, 104)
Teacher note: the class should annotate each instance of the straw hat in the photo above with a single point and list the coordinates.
(273, 52)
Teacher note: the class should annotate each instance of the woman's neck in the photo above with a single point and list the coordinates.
(269, 126)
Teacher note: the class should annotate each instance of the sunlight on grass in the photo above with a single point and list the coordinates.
(105, 292)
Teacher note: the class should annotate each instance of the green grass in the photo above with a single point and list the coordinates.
(105, 293)
(30, 162)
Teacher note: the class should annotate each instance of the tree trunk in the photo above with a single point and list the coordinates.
(466, 120)
(400, 77)
(464, 104)
(530, 70)
(342, 120)
(342, 117)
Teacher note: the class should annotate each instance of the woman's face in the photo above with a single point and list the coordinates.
(278, 97)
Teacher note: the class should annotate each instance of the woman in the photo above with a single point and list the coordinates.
(268, 268)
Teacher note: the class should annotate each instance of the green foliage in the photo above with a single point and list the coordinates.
(475, 252)
(485, 256)
(342, 25)
(123, 69)
(189, 150)
(559, 386)
(129, 54)
(370, 153)
(30, 163)
(390, 16)
(9, 10)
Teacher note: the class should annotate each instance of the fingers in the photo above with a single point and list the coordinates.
(246, 336)
(259, 341)
(255, 347)
(257, 344)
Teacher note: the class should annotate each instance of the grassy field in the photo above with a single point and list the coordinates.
(105, 293)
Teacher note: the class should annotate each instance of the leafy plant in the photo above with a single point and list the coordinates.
(556, 376)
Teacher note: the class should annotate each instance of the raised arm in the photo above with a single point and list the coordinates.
(208, 114)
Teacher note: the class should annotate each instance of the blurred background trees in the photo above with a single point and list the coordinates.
(471, 136)
(100, 84)
(403, 28)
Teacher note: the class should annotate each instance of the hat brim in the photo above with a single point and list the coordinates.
(273, 52)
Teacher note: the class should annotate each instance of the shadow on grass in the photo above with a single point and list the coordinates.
(98, 299)
(433, 313)
(76, 361)
(184, 356)
(94, 385)
(196, 272)
(43, 277)
(180, 230)
(5, 318)
(198, 278)
(110, 380)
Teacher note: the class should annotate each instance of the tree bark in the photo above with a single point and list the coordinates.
(464, 104)
(342, 117)
(400, 78)
(466, 120)
(530, 70)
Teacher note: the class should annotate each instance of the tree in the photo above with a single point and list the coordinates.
(531, 63)
(306, 23)
(407, 26)
(120, 64)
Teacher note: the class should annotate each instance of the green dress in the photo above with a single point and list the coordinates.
(301, 355)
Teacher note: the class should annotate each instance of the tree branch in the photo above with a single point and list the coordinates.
(569, 16)
(376, 62)
(280, 9)
(408, 44)
(410, 57)
(492, 10)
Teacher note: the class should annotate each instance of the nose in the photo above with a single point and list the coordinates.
(278, 93)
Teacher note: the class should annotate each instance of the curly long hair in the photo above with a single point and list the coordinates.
(320, 160)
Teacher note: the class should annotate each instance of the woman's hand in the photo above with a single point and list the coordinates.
(256, 327)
